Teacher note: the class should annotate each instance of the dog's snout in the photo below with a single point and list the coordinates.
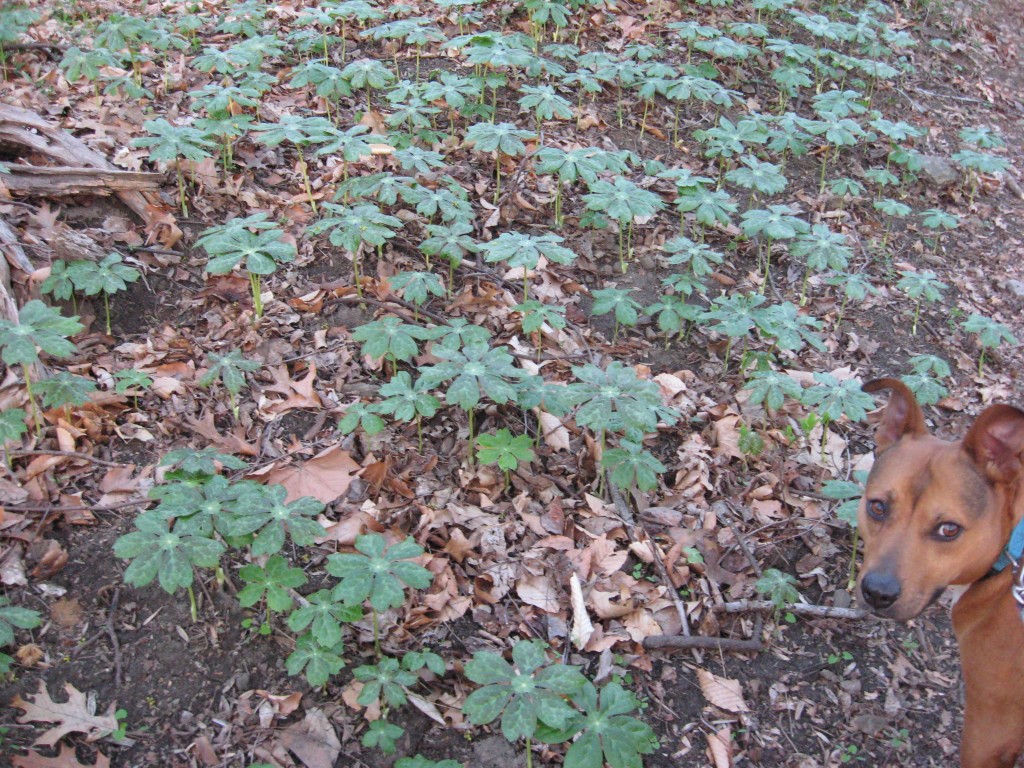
(880, 590)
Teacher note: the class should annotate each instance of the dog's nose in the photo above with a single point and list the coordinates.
(880, 590)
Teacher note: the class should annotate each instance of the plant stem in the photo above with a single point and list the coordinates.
(192, 607)
(257, 297)
(852, 581)
(36, 415)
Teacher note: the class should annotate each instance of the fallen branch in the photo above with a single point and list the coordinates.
(60, 180)
(30, 133)
(15, 256)
(683, 642)
(798, 609)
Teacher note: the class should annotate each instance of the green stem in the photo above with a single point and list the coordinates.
(852, 581)
(36, 415)
(471, 455)
(376, 633)
(106, 309)
(257, 297)
(192, 607)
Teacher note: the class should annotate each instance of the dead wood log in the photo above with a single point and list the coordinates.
(60, 180)
(15, 256)
(26, 130)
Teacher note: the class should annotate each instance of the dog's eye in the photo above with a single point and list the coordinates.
(877, 509)
(947, 531)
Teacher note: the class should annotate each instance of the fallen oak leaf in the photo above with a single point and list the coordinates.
(72, 716)
(722, 692)
(313, 740)
(326, 477)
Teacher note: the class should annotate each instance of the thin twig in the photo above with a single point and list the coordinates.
(634, 527)
(70, 454)
(114, 644)
(800, 609)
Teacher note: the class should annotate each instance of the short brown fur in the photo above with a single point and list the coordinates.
(920, 488)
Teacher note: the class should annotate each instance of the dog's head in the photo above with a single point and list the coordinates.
(935, 513)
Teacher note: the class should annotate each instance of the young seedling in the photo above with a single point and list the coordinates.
(351, 226)
(624, 201)
(300, 132)
(130, 380)
(379, 574)
(990, 335)
(12, 428)
(780, 589)
(474, 370)
(921, 287)
(272, 584)
(848, 492)
(417, 287)
(504, 139)
(230, 370)
(172, 144)
(820, 249)
(504, 450)
(317, 662)
(39, 328)
(158, 552)
(893, 209)
(834, 399)
(107, 276)
(618, 301)
(322, 614)
(938, 221)
(521, 251)
(406, 401)
(525, 696)
(390, 340)
(777, 222)
(631, 466)
(535, 315)
(236, 244)
(608, 733)
(63, 390)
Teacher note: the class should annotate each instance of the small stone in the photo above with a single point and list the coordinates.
(939, 170)
(1016, 287)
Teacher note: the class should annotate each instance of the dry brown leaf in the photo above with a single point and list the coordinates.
(554, 432)
(582, 627)
(539, 591)
(72, 716)
(722, 692)
(66, 612)
(313, 740)
(326, 476)
(720, 748)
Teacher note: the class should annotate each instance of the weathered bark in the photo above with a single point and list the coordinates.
(61, 180)
(14, 254)
(26, 130)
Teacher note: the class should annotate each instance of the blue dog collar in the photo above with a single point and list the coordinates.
(1014, 549)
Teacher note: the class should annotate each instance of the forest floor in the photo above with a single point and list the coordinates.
(738, 491)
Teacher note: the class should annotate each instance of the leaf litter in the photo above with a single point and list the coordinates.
(537, 549)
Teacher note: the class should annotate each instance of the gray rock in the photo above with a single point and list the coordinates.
(1016, 287)
(939, 170)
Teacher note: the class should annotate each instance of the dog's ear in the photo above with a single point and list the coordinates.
(995, 442)
(902, 416)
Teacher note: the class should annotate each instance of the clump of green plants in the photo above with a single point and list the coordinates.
(108, 276)
(536, 698)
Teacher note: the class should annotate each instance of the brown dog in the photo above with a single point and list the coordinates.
(936, 513)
